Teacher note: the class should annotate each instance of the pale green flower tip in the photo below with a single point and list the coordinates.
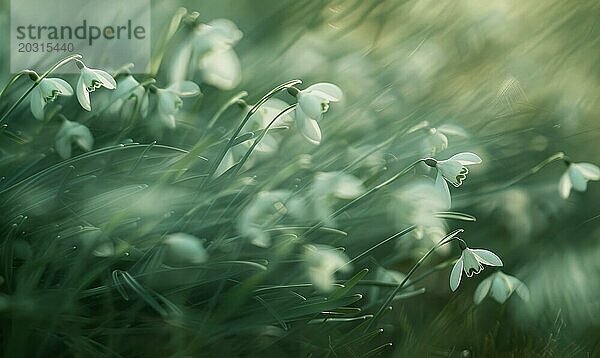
(322, 263)
(72, 133)
(500, 287)
(576, 177)
(182, 249)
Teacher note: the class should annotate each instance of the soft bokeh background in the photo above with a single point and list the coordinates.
(520, 77)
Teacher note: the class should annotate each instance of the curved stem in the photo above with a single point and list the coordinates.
(530, 172)
(357, 200)
(447, 239)
(253, 110)
(13, 80)
(257, 140)
(395, 236)
(36, 83)
(223, 108)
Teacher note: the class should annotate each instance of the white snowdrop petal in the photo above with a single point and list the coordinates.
(347, 186)
(63, 86)
(466, 158)
(482, 290)
(184, 249)
(578, 181)
(564, 185)
(456, 274)
(308, 127)
(185, 88)
(221, 69)
(521, 289)
(487, 257)
(444, 190)
(37, 104)
(500, 290)
(311, 105)
(588, 170)
(327, 91)
(104, 78)
(83, 95)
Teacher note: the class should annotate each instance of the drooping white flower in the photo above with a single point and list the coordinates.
(162, 107)
(322, 262)
(312, 103)
(416, 204)
(265, 209)
(471, 261)
(453, 170)
(47, 90)
(576, 177)
(218, 62)
(329, 185)
(500, 287)
(72, 133)
(124, 99)
(184, 249)
(208, 48)
(437, 138)
(90, 79)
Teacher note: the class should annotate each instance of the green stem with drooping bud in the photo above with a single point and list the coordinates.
(446, 240)
(37, 82)
(253, 110)
(258, 139)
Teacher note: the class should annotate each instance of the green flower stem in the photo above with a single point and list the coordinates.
(13, 80)
(537, 168)
(357, 200)
(52, 69)
(447, 239)
(253, 110)
(530, 172)
(235, 99)
(257, 140)
(176, 20)
(395, 236)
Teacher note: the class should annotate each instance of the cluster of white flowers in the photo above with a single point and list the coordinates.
(205, 55)
(49, 89)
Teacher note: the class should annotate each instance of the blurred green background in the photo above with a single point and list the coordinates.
(520, 77)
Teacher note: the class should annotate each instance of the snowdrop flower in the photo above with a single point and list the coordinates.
(453, 170)
(576, 177)
(322, 263)
(128, 94)
(257, 121)
(471, 261)
(69, 133)
(500, 287)
(219, 64)
(329, 185)
(47, 90)
(417, 204)
(265, 209)
(167, 102)
(90, 79)
(208, 48)
(437, 138)
(184, 249)
(312, 103)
